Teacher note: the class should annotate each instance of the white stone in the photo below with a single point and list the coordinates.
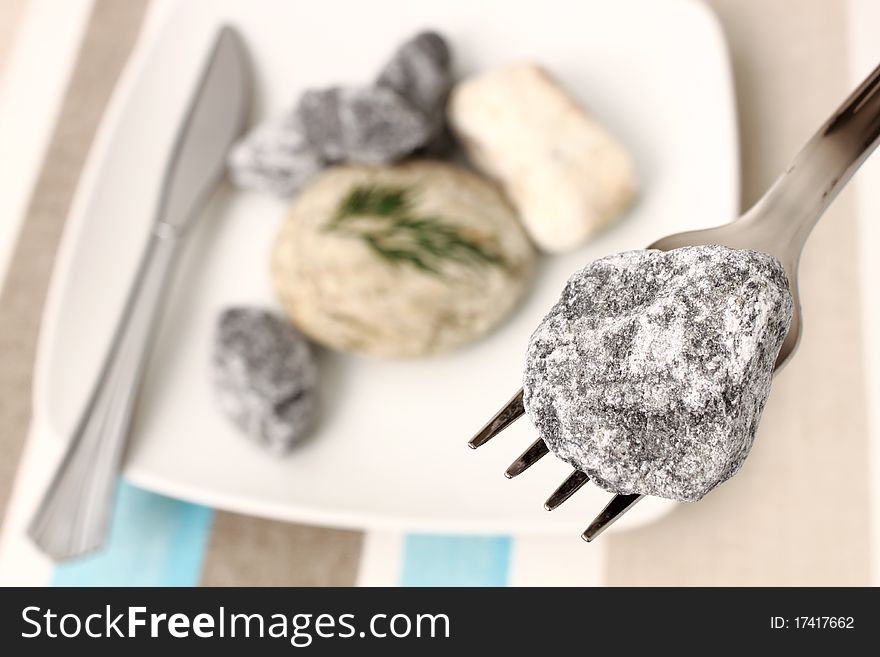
(566, 175)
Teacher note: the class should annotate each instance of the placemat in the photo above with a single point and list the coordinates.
(796, 514)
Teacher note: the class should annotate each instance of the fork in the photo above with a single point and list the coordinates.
(778, 224)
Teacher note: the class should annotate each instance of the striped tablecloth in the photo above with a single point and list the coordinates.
(804, 509)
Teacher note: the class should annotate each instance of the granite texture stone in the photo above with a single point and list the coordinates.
(651, 371)
(275, 158)
(265, 377)
(419, 71)
(364, 125)
(401, 114)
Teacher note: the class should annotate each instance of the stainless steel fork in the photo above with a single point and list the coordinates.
(779, 224)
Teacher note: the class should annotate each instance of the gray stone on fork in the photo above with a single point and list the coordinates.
(651, 371)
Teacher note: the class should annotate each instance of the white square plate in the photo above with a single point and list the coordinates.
(390, 451)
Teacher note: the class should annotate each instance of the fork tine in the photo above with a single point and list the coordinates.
(511, 412)
(527, 459)
(618, 505)
(569, 487)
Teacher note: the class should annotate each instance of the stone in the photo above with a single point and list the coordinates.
(265, 377)
(275, 158)
(651, 371)
(402, 114)
(567, 176)
(441, 146)
(419, 71)
(366, 125)
(400, 262)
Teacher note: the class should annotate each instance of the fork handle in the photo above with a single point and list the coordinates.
(791, 207)
(72, 518)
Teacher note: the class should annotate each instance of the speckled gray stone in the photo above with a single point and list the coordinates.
(364, 125)
(265, 377)
(651, 371)
(275, 158)
(419, 72)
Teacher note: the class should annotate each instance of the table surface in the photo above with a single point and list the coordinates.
(816, 455)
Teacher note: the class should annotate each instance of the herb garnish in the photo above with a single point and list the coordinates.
(397, 235)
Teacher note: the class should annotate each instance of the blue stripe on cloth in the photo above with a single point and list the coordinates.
(455, 560)
(154, 541)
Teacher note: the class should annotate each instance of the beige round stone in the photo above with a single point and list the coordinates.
(401, 261)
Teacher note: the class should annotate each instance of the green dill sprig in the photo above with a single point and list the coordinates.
(377, 201)
(401, 238)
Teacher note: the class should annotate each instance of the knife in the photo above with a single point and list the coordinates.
(72, 518)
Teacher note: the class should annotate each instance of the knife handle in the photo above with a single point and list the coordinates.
(72, 518)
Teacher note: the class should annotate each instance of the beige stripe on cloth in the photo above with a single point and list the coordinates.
(797, 513)
(10, 17)
(245, 551)
(242, 550)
